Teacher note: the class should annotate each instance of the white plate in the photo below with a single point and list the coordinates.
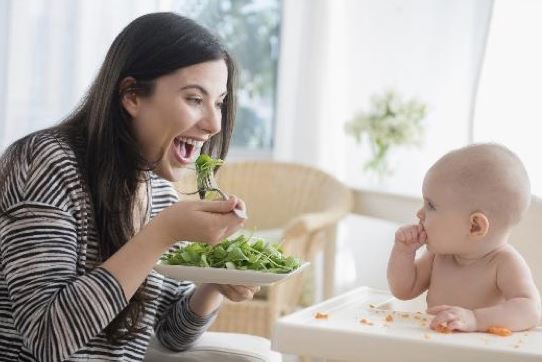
(224, 276)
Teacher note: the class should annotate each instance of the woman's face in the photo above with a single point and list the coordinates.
(184, 111)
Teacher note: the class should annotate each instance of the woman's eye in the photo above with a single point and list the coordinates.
(195, 100)
(220, 105)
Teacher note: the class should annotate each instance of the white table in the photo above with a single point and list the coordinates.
(343, 335)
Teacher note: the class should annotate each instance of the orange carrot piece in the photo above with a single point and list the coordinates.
(499, 331)
(442, 328)
(319, 315)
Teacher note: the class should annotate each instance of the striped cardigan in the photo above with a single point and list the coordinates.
(55, 300)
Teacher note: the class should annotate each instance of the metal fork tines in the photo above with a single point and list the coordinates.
(209, 184)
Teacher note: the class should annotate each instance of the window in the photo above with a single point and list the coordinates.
(251, 31)
(53, 49)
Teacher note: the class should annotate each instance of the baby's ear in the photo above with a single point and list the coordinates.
(479, 225)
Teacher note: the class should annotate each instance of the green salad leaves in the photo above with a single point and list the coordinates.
(242, 253)
(205, 166)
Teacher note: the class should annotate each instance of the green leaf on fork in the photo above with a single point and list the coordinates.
(205, 166)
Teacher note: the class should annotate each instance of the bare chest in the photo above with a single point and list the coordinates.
(468, 286)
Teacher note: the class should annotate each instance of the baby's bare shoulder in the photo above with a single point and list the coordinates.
(508, 255)
(511, 265)
(514, 277)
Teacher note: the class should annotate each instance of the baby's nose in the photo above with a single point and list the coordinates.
(420, 214)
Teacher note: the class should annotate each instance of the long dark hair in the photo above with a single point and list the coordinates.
(99, 129)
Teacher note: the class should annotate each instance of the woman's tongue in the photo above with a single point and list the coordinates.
(183, 151)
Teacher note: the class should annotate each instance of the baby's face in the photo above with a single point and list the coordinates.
(444, 220)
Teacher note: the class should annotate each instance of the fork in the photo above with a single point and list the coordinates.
(208, 184)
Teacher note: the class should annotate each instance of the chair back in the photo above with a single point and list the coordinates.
(527, 239)
(277, 192)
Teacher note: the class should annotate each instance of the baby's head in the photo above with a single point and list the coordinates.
(472, 197)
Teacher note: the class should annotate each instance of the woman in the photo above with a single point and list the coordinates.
(77, 247)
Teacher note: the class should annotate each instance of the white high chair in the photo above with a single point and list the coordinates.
(301, 334)
(527, 239)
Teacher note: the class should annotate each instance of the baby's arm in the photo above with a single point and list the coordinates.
(522, 307)
(520, 311)
(408, 277)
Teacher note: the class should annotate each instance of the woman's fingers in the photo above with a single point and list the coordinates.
(238, 293)
(240, 204)
(224, 206)
(218, 206)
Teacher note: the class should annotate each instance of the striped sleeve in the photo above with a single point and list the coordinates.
(177, 327)
(57, 307)
(55, 310)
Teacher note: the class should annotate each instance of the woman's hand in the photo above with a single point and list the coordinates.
(208, 297)
(237, 293)
(195, 220)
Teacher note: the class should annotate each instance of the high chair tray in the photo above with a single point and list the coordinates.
(370, 325)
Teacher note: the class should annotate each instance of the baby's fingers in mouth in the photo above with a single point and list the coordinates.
(423, 237)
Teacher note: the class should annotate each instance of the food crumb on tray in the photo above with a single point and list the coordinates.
(443, 328)
(320, 315)
(499, 331)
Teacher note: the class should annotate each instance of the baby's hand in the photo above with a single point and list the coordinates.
(410, 237)
(452, 319)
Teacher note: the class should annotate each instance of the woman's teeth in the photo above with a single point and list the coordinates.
(186, 149)
(190, 141)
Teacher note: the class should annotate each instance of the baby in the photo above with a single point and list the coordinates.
(474, 279)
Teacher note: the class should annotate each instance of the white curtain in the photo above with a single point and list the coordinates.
(508, 104)
(310, 71)
(50, 51)
(336, 54)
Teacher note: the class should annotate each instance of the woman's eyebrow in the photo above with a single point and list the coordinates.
(201, 89)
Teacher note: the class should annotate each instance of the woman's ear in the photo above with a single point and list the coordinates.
(479, 225)
(128, 96)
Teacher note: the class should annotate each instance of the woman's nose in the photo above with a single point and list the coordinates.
(212, 121)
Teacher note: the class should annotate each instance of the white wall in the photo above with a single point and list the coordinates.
(429, 50)
(51, 51)
(508, 106)
(337, 54)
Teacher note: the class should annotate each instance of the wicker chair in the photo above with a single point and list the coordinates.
(304, 204)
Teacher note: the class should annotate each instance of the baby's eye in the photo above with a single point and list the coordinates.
(430, 205)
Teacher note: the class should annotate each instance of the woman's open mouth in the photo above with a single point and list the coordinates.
(186, 149)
